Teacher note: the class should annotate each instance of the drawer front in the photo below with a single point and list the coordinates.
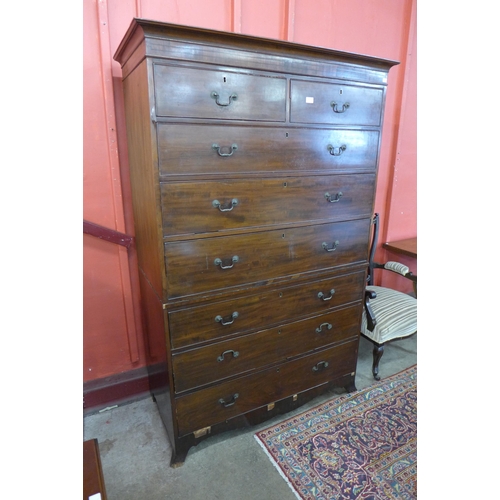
(212, 149)
(252, 352)
(202, 93)
(336, 104)
(218, 320)
(200, 207)
(210, 264)
(235, 397)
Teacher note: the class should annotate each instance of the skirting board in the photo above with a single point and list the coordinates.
(115, 390)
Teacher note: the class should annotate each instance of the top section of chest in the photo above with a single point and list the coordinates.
(253, 79)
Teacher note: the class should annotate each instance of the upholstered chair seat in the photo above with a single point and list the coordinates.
(396, 315)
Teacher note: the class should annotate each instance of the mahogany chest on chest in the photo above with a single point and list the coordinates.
(253, 166)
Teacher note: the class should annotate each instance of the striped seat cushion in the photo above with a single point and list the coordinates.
(395, 312)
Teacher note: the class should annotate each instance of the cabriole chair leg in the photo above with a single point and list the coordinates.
(378, 351)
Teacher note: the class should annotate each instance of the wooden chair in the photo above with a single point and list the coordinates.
(388, 314)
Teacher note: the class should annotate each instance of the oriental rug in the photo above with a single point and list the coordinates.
(361, 445)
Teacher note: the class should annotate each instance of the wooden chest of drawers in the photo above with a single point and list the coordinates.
(253, 165)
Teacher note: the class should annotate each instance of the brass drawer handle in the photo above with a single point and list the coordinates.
(320, 327)
(224, 322)
(324, 245)
(218, 262)
(335, 199)
(231, 401)
(228, 208)
(215, 96)
(323, 297)
(217, 148)
(345, 106)
(340, 150)
(234, 353)
(320, 366)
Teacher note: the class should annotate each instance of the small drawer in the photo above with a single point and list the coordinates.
(216, 150)
(220, 263)
(335, 104)
(211, 206)
(218, 403)
(205, 365)
(184, 92)
(220, 320)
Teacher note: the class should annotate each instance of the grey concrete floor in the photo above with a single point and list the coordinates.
(135, 451)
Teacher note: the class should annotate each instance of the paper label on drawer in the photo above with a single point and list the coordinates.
(309, 100)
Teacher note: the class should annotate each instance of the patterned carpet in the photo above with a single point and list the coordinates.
(361, 445)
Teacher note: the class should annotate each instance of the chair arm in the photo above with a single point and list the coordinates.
(397, 267)
(370, 317)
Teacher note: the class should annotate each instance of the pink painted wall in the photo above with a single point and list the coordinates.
(384, 28)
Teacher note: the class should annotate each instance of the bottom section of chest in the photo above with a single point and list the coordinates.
(250, 399)
(298, 343)
(226, 400)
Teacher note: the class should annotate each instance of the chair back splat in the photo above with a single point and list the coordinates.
(372, 249)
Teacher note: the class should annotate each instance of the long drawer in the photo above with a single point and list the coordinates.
(252, 352)
(219, 320)
(209, 264)
(199, 207)
(215, 94)
(238, 396)
(335, 104)
(210, 149)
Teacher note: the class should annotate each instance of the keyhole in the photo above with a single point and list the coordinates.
(225, 82)
(286, 134)
(341, 91)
